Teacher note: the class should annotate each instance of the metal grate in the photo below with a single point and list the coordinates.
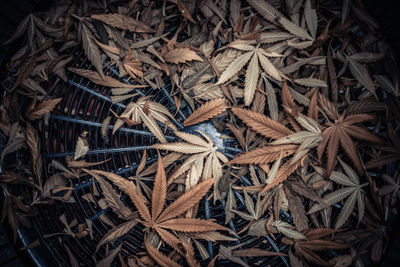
(84, 106)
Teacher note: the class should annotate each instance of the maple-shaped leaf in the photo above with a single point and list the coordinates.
(307, 249)
(149, 113)
(352, 190)
(341, 131)
(257, 56)
(206, 112)
(204, 162)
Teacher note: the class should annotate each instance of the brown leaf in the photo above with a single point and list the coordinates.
(44, 107)
(123, 22)
(91, 49)
(33, 142)
(184, 11)
(113, 199)
(159, 257)
(129, 188)
(116, 233)
(186, 201)
(106, 262)
(132, 65)
(192, 225)
(159, 190)
(264, 154)
(206, 112)
(262, 124)
(181, 55)
(297, 211)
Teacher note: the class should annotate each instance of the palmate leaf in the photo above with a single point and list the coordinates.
(352, 192)
(307, 249)
(340, 132)
(160, 219)
(149, 113)
(256, 56)
(204, 157)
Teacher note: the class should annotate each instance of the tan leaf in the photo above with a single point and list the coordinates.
(268, 67)
(294, 29)
(251, 80)
(311, 18)
(123, 22)
(181, 55)
(206, 112)
(287, 230)
(107, 81)
(81, 148)
(311, 82)
(234, 67)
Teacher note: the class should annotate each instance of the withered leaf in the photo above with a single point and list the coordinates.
(352, 191)
(262, 124)
(181, 55)
(106, 262)
(159, 257)
(44, 107)
(81, 148)
(123, 22)
(206, 112)
(106, 81)
(91, 49)
(362, 75)
(116, 233)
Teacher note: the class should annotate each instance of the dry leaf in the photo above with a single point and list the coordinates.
(206, 112)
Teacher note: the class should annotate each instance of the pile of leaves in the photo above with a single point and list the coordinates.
(306, 90)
